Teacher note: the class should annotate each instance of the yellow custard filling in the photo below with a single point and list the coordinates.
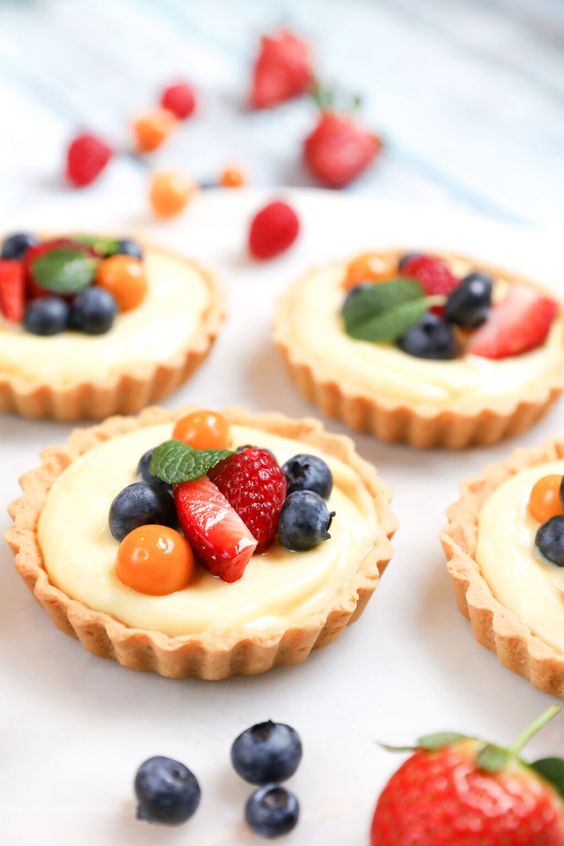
(156, 330)
(315, 327)
(516, 572)
(278, 587)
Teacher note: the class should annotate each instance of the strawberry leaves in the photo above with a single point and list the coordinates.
(64, 270)
(175, 462)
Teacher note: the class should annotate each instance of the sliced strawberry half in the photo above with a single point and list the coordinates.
(517, 324)
(34, 290)
(12, 289)
(213, 528)
(282, 70)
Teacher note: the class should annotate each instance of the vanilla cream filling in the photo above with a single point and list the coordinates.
(156, 330)
(278, 587)
(316, 328)
(516, 572)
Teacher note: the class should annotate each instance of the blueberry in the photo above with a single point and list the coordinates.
(308, 473)
(138, 505)
(405, 258)
(431, 338)
(469, 304)
(166, 790)
(304, 521)
(272, 811)
(143, 469)
(16, 246)
(267, 752)
(46, 316)
(128, 247)
(353, 293)
(550, 540)
(93, 311)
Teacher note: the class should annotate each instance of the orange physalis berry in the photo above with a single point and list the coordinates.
(232, 177)
(544, 501)
(124, 277)
(203, 430)
(152, 128)
(169, 192)
(369, 267)
(155, 559)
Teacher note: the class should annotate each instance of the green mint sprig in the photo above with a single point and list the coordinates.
(175, 462)
(104, 246)
(64, 271)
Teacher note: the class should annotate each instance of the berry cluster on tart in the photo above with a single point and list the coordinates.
(92, 325)
(433, 350)
(206, 550)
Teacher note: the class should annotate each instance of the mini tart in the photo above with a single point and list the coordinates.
(523, 640)
(414, 403)
(149, 352)
(211, 653)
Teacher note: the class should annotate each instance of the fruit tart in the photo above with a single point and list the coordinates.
(505, 550)
(91, 326)
(431, 350)
(216, 544)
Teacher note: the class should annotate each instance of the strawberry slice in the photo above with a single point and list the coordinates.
(213, 528)
(32, 288)
(12, 284)
(517, 324)
(282, 70)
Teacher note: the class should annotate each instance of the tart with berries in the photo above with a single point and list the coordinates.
(91, 326)
(431, 350)
(505, 551)
(216, 544)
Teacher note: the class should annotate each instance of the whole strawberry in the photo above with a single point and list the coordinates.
(282, 70)
(255, 486)
(340, 148)
(87, 156)
(273, 229)
(460, 791)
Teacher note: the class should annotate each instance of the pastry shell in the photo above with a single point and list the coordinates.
(495, 626)
(420, 425)
(123, 392)
(207, 655)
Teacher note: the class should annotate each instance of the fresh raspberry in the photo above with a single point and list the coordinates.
(180, 99)
(255, 486)
(273, 229)
(432, 273)
(339, 149)
(87, 156)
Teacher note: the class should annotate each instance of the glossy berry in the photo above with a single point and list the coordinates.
(272, 811)
(46, 316)
(138, 505)
(87, 156)
(155, 559)
(550, 540)
(339, 149)
(123, 276)
(128, 247)
(267, 752)
(167, 791)
(283, 69)
(433, 275)
(93, 311)
(16, 246)
(469, 304)
(203, 429)
(304, 521)
(12, 289)
(254, 485)
(180, 99)
(429, 338)
(152, 128)
(368, 267)
(273, 230)
(170, 192)
(232, 177)
(403, 260)
(544, 500)
(308, 473)
(143, 470)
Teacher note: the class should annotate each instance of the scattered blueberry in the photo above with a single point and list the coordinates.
(353, 292)
(16, 246)
(128, 247)
(550, 540)
(46, 316)
(405, 258)
(469, 304)
(267, 752)
(143, 469)
(304, 521)
(430, 338)
(166, 790)
(272, 811)
(93, 311)
(308, 473)
(138, 505)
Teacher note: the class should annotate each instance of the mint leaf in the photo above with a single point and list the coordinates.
(104, 246)
(552, 770)
(431, 742)
(64, 271)
(392, 323)
(493, 758)
(175, 462)
(379, 298)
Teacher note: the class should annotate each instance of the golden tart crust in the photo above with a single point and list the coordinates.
(418, 424)
(208, 655)
(495, 626)
(127, 390)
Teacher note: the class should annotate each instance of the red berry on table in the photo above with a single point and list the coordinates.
(273, 229)
(213, 529)
(339, 149)
(283, 69)
(87, 156)
(12, 289)
(255, 486)
(180, 99)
